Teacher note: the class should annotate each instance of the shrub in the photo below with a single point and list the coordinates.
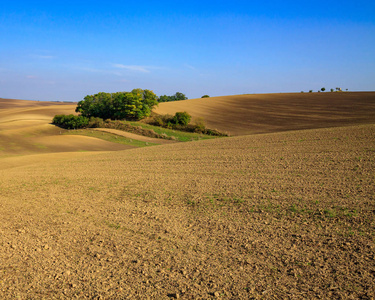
(58, 119)
(214, 132)
(161, 120)
(70, 121)
(199, 125)
(181, 118)
(205, 96)
(96, 122)
(180, 121)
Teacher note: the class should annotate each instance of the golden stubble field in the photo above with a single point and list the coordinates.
(25, 129)
(278, 215)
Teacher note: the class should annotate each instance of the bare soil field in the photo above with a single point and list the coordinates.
(283, 215)
(265, 113)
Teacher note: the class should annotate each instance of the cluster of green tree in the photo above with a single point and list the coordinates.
(169, 121)
(134, 105)
(176, 97)
(70, 121)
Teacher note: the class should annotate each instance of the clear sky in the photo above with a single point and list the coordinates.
(65, 50)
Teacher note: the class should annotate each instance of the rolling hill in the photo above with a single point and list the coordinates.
(265, 113)
(25, 128)
(284, 213)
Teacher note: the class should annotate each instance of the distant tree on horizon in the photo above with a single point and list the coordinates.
(180, 96)
(323, 89)
(205, 96)
(176, 97)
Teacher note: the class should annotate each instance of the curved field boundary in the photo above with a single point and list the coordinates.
(136, 136)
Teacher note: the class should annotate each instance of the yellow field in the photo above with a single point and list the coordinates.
(25, 128)
(276, 215)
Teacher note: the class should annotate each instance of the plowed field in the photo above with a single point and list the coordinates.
(269, 216)
(265, 113)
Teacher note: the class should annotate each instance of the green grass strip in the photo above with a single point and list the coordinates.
(109, 137)
(181, 136)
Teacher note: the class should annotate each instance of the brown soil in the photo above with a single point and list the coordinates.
(267, 216)
(265, 113)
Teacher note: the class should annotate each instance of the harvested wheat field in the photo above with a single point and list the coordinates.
(268, 216)
(25, 129)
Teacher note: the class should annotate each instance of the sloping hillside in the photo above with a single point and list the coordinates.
(275, 216)
(25, 128)
(279, 215)
(262, 113)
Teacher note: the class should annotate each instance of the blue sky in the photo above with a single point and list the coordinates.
(65, 50)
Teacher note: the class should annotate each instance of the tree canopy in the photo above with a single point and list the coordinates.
(134, 105)
(176, 97)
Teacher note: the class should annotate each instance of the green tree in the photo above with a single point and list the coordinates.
(181, 118)
(180, 96)
(323, 89)
(163, 98)
(205, 96)
(134, 105)
(176, 97)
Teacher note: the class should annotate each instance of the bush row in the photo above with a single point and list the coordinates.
(70, 121)
(77, 122)
(125, 126)
(181, 121)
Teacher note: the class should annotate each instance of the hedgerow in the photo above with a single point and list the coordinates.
(70, 121)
